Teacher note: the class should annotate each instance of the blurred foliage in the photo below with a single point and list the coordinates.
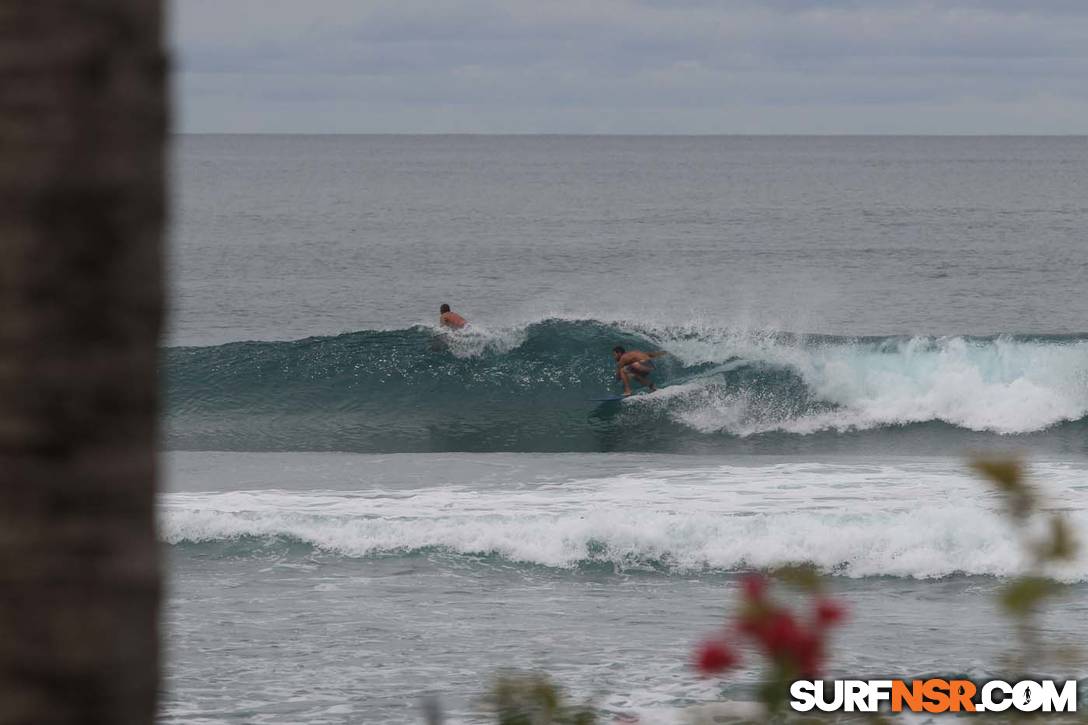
(527, 698)
(805, 577)
(1046, 539)
(1023, 595)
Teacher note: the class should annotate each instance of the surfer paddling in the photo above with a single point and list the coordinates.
(450, 319)
(635, 364)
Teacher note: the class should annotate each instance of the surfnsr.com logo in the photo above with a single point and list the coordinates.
(934, 695)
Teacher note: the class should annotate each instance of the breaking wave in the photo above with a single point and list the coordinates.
(925, 542)
(528, 389)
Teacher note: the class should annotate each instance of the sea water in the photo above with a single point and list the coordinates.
(361, 511)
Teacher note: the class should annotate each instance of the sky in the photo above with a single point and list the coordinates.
(631, 66)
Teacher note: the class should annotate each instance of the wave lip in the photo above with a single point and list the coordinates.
(528, 388)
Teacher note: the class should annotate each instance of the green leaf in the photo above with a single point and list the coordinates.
(803, 576)
(519, 698)
(1061, 546)
(1022, 596)
(1007, 475)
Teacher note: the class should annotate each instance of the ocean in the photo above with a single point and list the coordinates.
(361, 511)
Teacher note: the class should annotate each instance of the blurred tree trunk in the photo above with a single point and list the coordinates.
(82, 130)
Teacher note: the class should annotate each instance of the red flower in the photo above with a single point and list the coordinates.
(755, 587)
(808, 653)
(779, 632)
(829, 612)
(784, 638)
(714, 656)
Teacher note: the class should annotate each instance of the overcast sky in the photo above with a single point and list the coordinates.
(631, 66)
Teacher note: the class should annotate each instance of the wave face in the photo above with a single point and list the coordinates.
(527, 389)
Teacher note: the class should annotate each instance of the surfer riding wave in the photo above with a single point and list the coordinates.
(635, 364)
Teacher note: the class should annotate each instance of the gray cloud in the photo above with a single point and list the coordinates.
(627, 66)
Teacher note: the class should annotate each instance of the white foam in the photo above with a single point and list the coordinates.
(853, 521)
(1003, 386)
(929, 542)
(478, 340)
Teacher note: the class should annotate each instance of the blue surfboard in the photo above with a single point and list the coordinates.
(608, 399)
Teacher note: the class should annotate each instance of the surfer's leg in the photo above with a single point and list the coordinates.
(641, 372)
(625, 377)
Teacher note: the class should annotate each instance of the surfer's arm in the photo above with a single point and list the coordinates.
(659, 353)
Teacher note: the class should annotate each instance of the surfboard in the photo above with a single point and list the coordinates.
(614, 398)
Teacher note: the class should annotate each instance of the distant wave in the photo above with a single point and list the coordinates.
(527, 389)
(929, 541)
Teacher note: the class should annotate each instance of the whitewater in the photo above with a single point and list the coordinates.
(854, 520)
